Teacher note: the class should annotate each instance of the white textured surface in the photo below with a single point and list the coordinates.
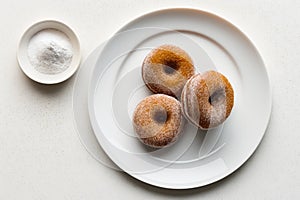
(41, 156)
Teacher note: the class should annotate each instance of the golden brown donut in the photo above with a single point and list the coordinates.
(207, 99)
(166, 69)
(158, 121)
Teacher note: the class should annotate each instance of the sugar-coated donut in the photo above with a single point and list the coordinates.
(166, 69)
(207, 99)
(158, 121)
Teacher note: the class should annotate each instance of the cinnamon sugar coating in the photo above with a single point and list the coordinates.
(158, 121)
(207, 99)
(166, 69)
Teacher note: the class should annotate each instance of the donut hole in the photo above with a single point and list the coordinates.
(160, 115)
(217, 97)
(170, 66)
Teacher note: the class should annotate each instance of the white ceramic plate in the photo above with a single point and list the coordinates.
(80, 110)
(30, 71)
(198, 158)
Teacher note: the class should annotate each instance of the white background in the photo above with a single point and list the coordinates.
(41, 156)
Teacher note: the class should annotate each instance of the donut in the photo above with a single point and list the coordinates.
(157, 120)
(207, 99)
(166, 69)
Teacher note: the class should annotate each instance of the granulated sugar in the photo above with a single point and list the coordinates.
(50, 51)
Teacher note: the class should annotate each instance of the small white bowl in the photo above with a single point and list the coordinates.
(25, 64)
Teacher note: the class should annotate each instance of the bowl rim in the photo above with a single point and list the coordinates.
(23, 60)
